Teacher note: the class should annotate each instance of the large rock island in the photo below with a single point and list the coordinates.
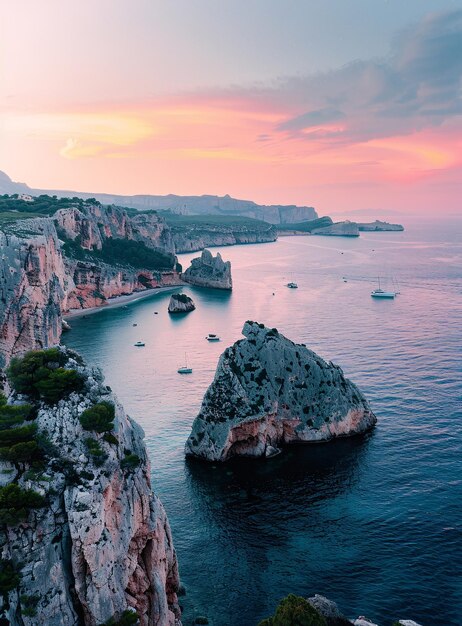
(83, 539)
(379, 226)
(209, 271)
(180, 303)
(269, 391)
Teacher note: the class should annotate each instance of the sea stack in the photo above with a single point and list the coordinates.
(84, 538)
(180, 303)
(269, 391)
(209, 271)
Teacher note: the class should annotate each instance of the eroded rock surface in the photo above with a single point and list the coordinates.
(209, 271)
(180, 303)
(102, 544)
(269, 391)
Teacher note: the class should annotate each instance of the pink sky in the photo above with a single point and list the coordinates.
(381, 132)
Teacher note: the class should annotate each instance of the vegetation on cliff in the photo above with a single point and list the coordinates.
(294, 611)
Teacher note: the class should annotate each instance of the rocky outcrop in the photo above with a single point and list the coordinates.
(209, 271)
(101, 543)
(190, 237)
(317, 610)
(269, 391)
(33, 287)
(180, 303)
(338, 229)
(379, 226)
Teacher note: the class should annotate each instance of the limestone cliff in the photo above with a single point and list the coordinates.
(33, 286)
(379, 226)
(78, 257)
(189, 236)
(96, 541)
(269, 391)
(209, 271)
(338, 229)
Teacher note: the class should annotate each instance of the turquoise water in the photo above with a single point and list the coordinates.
(374, 523)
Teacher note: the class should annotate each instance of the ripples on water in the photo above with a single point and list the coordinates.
(373, 523)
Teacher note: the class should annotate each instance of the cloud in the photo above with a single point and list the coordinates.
(417, 86)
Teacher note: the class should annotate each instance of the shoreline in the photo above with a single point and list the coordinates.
(118, 301)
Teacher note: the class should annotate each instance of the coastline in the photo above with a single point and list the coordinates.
(119, 301)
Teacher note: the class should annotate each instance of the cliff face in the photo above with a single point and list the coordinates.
(269, 391)
(93, 224)
(40, 278)
(197, 237)
(101, 543)
(338, 229)
(209, 271)
(33, 286)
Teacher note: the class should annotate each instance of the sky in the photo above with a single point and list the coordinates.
(340, 105)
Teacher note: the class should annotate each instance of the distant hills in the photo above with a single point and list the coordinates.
(187, 205)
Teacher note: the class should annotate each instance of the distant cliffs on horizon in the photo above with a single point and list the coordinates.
(189, 205)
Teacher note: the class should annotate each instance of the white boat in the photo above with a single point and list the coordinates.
(139, 344)
(185, 369)
(292, 285)
(212, 337)
(381, 293)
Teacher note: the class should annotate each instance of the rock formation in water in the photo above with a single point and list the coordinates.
(33, 286)
(180, 303)
(190, 235)
(318, 611)
(338, 229)
(81, 532)
(379, 226)
(269, 391)
(209, 271)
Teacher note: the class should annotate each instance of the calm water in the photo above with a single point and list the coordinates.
(373, 523)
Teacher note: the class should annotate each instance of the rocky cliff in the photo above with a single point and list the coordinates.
(338, 229)
(196, 233)
(209, 271)
(191, 205)
(81, 532)
(78, 257)
(33, 286)
(379, 226)
(269, 391)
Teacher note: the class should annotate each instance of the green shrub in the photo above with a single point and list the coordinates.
(95, 450)
(17, 435)
(29, 605)
(99, 417)
(24, 452)
(12, 415)
(9, 577)
(40, 375)
(111, 439)
(127, 618)
(295, 611)
(16, 502)
(130, 461)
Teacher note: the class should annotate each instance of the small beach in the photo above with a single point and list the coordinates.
(119, 301)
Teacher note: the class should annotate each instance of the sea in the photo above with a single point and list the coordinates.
(373, 522)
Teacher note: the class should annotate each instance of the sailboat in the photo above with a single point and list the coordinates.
(184, 369)
(381, 293)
